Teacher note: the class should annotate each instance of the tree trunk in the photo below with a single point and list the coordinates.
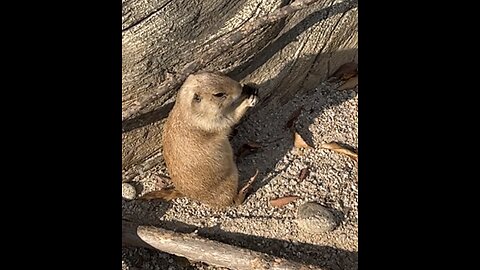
(289, 56)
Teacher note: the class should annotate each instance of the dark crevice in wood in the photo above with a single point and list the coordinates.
(320, 52)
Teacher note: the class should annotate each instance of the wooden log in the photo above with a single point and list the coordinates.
(196, 248)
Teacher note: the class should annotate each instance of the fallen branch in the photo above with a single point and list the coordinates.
(196, 248)
(173, 82)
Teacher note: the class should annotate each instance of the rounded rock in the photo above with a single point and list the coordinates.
(128, 191)
(314, 218)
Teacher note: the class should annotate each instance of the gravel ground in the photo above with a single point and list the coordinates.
(327, 115)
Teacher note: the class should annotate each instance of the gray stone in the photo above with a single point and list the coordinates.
(314, 218)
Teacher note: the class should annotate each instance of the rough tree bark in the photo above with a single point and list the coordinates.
(290, 56)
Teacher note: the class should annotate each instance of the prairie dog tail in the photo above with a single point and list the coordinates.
(167, 194)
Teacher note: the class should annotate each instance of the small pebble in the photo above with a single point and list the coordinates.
(128, 191)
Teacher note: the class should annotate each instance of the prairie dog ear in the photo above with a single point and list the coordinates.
(250, 89)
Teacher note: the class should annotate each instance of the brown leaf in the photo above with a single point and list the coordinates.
(351, 83)
(161, 181)
(249, 184)
(340, 149)
(299, 142)
(243, 191)
(346, 71)
(247, 148)
(279, 202)
(303, 173)
(293, 117)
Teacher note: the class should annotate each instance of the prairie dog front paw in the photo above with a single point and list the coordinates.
(252, 92)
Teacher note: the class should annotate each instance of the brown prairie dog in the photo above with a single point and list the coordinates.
(196, 148)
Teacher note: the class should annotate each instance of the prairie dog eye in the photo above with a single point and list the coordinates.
(219, 95)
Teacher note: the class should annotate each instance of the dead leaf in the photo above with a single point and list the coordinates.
(346, 71)
(243, 191)
(299, 142)
(283, 201)
(340, 149)
(293, 117)
(249, 184)
(303, 173)
(247, 148)
(161, 181)
(351, 83)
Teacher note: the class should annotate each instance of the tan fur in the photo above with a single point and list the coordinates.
(196, 148)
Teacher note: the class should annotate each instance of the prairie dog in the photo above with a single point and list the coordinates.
(196, 147)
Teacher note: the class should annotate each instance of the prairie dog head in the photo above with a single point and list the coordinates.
(213, 102)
